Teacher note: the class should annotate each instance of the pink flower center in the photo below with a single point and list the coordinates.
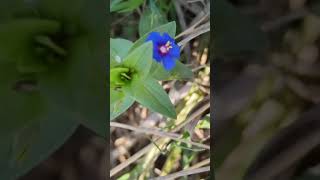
(164, 49)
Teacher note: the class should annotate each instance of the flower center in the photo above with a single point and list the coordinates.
(164, 49)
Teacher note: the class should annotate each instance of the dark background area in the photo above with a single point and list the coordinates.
(266, 89)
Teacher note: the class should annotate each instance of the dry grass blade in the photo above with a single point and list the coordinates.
(200, 164)
(195, 34)
(183, 173)
(172, 136)
(193, 28)
(281, 162)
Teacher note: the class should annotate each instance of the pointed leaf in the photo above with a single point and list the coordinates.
(150, 94)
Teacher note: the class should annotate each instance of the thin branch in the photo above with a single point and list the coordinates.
(192, 28)
(131, 160)
(194, 35)
(172, 136)
(200, 164)
(183, 173)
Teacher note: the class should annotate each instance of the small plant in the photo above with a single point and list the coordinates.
(137, 67)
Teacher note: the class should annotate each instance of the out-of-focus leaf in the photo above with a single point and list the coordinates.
(79, 85)
(234, 33)
(16, 39)
(17, 108)
(72, 11)
(152, 17)
(9, 9)
(26, 148)
(35, 121)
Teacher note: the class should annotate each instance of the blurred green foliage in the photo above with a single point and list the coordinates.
(52, 65)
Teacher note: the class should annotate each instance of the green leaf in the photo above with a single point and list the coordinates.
(235, 33)
(151, 18)
(119, 49)
(150, 94)
(78, 17)
(124, 6)
(169, 28)
(119, 103)
(180, 71)
(140, 60)
(27, 147)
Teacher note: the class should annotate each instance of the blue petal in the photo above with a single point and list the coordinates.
(168, 63)
(154, 37)
(156, 54)
(174, 51)
(166, 37)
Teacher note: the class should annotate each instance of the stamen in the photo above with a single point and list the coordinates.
(164, 49)
(168, 45)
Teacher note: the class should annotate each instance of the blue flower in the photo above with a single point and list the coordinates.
(165, 50)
